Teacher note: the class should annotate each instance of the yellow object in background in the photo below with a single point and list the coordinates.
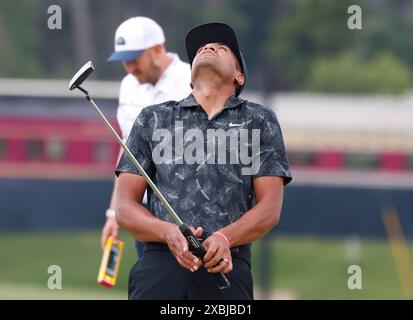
(109, 267)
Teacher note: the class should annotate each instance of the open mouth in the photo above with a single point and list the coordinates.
(207, 52)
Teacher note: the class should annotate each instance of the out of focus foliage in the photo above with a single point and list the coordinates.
(349, 73)
(288, 44)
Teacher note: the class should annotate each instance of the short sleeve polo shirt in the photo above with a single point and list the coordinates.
(205, 167)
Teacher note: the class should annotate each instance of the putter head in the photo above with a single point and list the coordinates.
(81, 75)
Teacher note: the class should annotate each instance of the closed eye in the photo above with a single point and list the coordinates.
(225, 48)
(217, 47)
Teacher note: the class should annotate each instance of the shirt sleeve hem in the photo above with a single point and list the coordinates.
(287, 178)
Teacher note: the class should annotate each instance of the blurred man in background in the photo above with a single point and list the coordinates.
(154, 76)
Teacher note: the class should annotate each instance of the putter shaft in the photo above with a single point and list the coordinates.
(129, 154)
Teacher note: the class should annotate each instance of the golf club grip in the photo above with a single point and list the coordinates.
(199, 250)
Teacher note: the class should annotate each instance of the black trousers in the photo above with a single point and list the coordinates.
(139, 245)
(158, 276)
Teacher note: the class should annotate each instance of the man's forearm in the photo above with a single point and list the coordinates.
(112, 204)
(254, 224)
(142, 224)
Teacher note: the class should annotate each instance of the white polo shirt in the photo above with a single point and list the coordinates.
(174, 84)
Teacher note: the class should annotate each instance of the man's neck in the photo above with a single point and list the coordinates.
(166, 60)
(212, 96)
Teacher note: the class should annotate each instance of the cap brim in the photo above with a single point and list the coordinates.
(125, 55)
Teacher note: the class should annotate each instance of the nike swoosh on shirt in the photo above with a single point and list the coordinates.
(235, 124)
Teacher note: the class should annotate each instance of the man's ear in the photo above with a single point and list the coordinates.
(157, 48)
(239, 78)
(156, 51)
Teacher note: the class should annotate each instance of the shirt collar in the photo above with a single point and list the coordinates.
(232, 102)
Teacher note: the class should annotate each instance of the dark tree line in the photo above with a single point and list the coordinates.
(288, 44)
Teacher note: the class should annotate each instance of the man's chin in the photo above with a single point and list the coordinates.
(205, 58)
(205, 63)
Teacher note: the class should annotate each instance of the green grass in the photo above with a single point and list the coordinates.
(309, 268)
(25, 259)
(315, 268)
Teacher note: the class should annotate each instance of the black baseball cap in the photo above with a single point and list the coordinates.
(215, 32)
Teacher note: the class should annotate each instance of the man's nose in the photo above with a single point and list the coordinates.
(209, 47)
